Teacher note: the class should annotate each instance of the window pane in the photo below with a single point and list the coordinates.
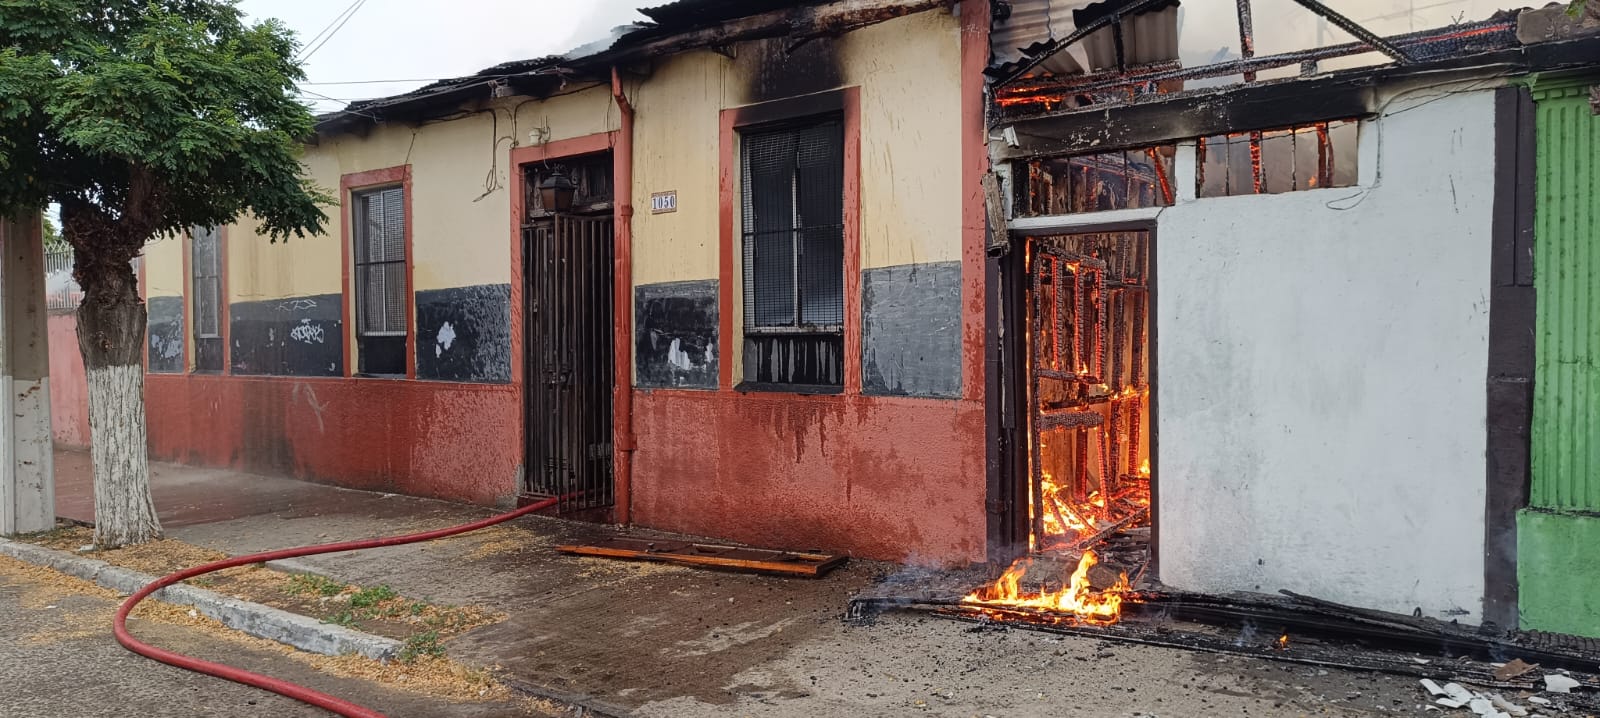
(394, 226)
(822, 275)
(821, 213)
(394, 297)
(1277, 161)
(1343, 137)
(1213, 178)
(793, 231)
(769, 222)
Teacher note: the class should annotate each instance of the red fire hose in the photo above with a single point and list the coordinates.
(282, 687)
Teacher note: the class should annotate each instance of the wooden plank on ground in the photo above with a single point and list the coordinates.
(737, 558)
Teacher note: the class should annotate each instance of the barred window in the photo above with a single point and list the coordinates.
(1122, 179)
(205, 266)
(380, 281)
(793, 242)
(1313, 156)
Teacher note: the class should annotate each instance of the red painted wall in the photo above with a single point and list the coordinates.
(69, 389)
(875, 477)
(437, 439)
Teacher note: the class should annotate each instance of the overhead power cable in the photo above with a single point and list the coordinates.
(331, 30)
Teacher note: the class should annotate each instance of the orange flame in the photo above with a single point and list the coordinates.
(1283, 642)
(1077, 599)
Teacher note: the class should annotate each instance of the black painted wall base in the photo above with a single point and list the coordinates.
(675, 334)
(165, 334)
(911, 330)
(301, 336)
(464, 334)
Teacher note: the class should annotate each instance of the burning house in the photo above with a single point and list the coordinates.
(1121, 295)
(1296, 315)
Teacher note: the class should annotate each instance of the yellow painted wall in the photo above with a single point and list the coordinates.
(461, 218)
(908, 70)
(677, 124)
(163, 267)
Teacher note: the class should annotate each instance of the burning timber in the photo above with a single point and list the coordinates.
(1290, 628)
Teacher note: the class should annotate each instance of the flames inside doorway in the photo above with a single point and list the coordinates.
(1088, 394)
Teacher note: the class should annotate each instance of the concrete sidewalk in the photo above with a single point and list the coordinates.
(654, 640)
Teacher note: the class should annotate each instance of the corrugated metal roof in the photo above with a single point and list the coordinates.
(1034, 25)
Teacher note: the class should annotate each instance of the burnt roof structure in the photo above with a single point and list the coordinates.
(673, 28)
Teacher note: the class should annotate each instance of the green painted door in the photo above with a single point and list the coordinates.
(1558, 554)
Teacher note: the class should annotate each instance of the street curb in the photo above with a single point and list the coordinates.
(273, 624)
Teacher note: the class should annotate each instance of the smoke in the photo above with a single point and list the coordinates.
(601, 18)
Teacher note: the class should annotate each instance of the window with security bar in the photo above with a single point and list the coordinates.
(205, 282)
(793, 252)
(380, 282)
(1291, 159)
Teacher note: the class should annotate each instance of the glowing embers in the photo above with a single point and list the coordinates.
(1076, 598)
(1088, 389)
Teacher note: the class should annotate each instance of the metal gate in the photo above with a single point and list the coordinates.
(569, 360)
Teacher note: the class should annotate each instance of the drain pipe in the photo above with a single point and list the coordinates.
(621, 301)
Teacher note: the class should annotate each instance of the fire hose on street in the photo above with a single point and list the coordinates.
(268, 683)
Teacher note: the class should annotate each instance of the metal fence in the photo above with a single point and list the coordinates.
(61, 290)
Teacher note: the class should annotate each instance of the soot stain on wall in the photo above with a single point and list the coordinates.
(775, 73)
(464, 334)
(675, 334)
(911, 336)
(164, 334)
(303, 336)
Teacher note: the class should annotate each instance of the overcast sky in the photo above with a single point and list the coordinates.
(418, 41)
(413, 42)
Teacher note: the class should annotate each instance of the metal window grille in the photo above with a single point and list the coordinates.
(794, 227)
(380, 263)
(793, 248)
(205, 264)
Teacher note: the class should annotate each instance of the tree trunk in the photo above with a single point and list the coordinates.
(111, 328)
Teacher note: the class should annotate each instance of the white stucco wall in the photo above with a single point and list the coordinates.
(1322, 359)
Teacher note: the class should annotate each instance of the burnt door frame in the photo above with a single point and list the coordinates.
(1008, 525)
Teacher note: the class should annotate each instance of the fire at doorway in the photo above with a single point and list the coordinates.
(1088, 398)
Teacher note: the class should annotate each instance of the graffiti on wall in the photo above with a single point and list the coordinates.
(300, 336)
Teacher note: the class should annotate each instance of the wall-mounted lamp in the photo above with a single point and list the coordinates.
(557, 191)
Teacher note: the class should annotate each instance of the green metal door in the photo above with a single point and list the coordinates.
(1558, 555)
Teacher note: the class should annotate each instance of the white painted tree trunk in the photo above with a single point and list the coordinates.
(124, 512)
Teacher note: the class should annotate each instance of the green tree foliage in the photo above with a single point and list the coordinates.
(52, 237)
(151, 116)
(142, 118)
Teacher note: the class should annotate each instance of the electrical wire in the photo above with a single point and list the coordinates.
(325, 28)
(350, 13)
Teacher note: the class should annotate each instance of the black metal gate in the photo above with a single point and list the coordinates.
(569, 359)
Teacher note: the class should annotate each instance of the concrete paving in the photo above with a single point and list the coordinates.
(654, 640)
